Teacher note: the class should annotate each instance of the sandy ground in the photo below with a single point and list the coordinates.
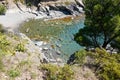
(12, 19)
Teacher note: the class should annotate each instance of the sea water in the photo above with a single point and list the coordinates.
(65, 42)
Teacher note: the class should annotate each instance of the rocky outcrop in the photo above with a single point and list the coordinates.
(49, 8)
(71, 8)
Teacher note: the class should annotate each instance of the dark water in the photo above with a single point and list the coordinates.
(65, 40)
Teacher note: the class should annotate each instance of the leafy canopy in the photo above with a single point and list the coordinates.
(102, 23)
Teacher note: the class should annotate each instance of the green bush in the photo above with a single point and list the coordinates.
(13, 73)
(107, 65)
(80, 57)
(20, 47)
(3, 43)
(2, 9)
(1, 29)
(65, 73)
(54, 72)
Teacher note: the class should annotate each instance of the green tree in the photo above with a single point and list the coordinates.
(102, 23)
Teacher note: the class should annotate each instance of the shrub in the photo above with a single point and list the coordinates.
(13, 73)
(65, 73)
(1, 28)
(107, 65)
(80, 57)
(20, 47)
(51, 71)
(3, 42)
(54, 72)
(2, 9)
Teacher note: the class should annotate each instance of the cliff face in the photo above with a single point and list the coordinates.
(67, 7)
(71, 7)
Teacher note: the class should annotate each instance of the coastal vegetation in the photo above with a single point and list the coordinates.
(107, 66)
(78, 58)
(54, 72)
(102, 24)
(2, 9)
(15, 57)
(13, 73)
(4, 43)
(20, 47)
(102, 28)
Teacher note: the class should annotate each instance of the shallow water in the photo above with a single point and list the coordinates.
(65, 40)
(60, 35)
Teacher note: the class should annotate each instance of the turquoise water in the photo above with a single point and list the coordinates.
(65, 42)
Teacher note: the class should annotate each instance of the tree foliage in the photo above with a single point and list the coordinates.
(102, 23)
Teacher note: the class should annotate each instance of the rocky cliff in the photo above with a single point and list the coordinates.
(66, 7)
(71, 7)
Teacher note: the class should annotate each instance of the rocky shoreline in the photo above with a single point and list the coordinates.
(16, 14)
(47, 53)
